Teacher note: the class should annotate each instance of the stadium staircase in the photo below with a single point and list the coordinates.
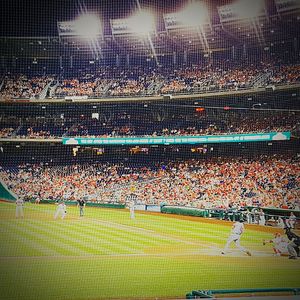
(261, 80)
(158, 86)
(70, 129)
(107, 87)
(53, 88)
(150, 88)
(15, 132)
(44, 91)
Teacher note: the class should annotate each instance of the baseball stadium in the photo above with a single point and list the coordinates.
(149, 150)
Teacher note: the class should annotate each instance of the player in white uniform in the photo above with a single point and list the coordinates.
(261, 218)
(61, 210)
(292, 220)
(19, 208)
(236, 232)
(131, 208)
(280, 244)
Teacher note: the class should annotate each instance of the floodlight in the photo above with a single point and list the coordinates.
(246, 9)
(194, 15)
(88, 26)
(142, 23)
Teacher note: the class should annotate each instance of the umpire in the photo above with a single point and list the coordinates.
(293, 246)
(81, 204)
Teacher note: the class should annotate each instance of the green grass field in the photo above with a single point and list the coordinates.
(105, 255)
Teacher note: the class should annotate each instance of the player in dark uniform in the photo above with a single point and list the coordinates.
(294, 244)
(81, 204)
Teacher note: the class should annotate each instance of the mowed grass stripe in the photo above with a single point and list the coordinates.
(122, 239)
(140, 235)
(31, 241)
(48, 242)
(136, 243)
(99, 244)
(65, 240)
(14, 245)
(191, 233)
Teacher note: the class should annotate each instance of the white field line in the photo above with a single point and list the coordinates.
(196, 254)
(122, 236)
(145, 232)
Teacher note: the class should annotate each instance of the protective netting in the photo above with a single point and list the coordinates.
(186, 69)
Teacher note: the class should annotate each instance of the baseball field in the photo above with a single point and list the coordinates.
(107, 255)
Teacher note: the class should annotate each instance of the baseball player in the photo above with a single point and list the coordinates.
(294, 243)
(131, 208)
(81, 204)
(291, 222)
(131, 198)
(235, 236)
(280, 244)
(261, 218)
(61, 210)
(19, 208)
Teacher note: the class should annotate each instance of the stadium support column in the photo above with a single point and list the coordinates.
(185, 56)
(117, 60)
(127, 59)
(60, 62)
(174, 58)
(71, 62)
(296, 45)
(233, 52)
(244, 51)
(14, 63)
(3, 64)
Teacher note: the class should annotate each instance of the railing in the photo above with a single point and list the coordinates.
(267, 291)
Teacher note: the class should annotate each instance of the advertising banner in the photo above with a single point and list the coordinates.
(171, 140)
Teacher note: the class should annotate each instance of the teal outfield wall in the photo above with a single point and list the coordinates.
(5, 194)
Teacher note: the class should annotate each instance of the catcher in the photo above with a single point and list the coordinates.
(294, 243)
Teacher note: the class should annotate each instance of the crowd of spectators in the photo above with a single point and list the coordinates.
(23, 87)
(216, 183)
(285, 74)
(141, 81)
(74, 87)
(6, 132)
(192, 79)
(144, 124)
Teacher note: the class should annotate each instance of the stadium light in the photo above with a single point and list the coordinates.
(246, 9)
(194, 15)
(142, 23)
(88, 26)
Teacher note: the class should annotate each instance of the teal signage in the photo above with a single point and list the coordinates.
(171, 140)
